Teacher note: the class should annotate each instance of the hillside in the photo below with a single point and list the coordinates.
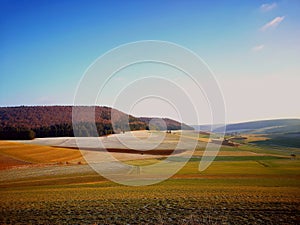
(27, 122)
(171, 124)
(264, 126)
(276, 133)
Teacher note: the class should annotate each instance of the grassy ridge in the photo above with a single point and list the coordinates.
(291, 140)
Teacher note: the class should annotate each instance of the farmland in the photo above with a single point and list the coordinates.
(245, 185)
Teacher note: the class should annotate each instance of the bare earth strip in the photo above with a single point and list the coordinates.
(7, 162)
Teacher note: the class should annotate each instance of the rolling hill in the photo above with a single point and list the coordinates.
(278, 132)
(264, 126)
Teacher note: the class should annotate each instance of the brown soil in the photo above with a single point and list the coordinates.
(7, 162)
(131, 151)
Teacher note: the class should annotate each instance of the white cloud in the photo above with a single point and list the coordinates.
(273, 23)
(258, 48)
(268, 7)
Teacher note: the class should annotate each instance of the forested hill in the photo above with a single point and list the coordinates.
(27, 122)
(43, 116)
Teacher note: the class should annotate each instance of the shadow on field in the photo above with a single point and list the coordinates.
(130, 151)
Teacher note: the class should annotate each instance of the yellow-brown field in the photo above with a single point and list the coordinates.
(39, 154)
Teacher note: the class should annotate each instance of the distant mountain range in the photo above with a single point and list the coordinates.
(256, 127)
(55, 121)
(264, 126)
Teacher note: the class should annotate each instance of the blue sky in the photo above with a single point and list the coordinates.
(253, 47)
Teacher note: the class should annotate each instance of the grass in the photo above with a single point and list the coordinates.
(235, 189)
(291, 140)
(227, 158)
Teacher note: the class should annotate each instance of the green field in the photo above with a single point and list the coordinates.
(235, 189)
(286, 140)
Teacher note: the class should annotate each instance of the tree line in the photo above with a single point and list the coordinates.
(81, 129)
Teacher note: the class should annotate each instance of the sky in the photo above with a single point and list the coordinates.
(252, 47)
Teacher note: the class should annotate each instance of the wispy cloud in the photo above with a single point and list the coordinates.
(273, 23)
(258, 48)
(268, 7)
